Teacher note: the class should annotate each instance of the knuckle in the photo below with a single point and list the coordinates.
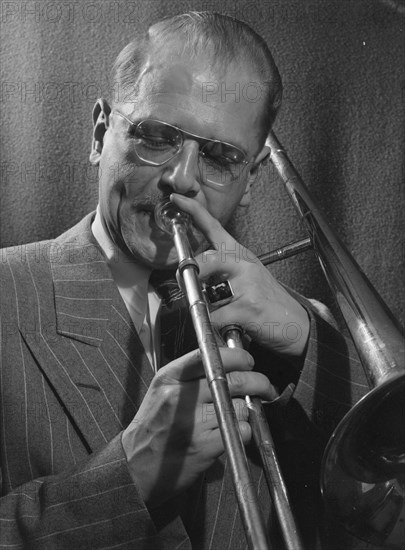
(166, 390)
(197, 355)
(249, 360)
(267, 388)
(236, 380)
(266, 383)
(245, 430)
(241, 409)
(167, 394)
(159, 379)
(254, 302)
(209, 256)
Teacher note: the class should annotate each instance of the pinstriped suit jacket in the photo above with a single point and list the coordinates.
(73, 374)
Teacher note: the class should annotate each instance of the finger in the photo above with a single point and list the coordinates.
(213, 442)
(228, 254)
(189, 366)
(237, 312)
(216, 264)
(240, 384)
(214, 439)
(241, 409)
(251, 383)
(209, 418)
(228, 261)
(210, 226)
(245, 431)
(184, 368)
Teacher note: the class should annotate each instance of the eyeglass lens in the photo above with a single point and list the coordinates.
(157, 142)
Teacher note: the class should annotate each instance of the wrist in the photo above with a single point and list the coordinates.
(138, 473)
(296, 335)
(289, 338)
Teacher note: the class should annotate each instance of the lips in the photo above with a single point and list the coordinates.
(147, 209)
(147, 204)
(148, 212)
(144, 208)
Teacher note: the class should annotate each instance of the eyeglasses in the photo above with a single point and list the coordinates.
(157, 142)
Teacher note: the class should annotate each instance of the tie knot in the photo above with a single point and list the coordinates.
(165, 284)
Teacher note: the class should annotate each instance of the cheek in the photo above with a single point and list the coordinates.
(121, 180)
(222, 205)
(118, 166)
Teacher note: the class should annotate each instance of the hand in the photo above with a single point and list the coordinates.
(174, 437)
(267, 312)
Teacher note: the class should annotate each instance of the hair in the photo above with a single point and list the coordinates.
(225, 39)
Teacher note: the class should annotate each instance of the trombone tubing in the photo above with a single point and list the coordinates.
(249, 508)
(271, 466)
(353, 457)
(375, 333)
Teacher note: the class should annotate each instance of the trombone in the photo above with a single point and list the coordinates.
(363, 469)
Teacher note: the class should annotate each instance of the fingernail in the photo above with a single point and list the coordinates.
(177, 197)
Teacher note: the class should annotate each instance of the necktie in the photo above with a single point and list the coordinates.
(165, 284)
(138, 304)
(176, 328)
(145, 335)
(136, 300)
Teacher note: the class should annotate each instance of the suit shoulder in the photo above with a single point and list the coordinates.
(19, 256)
(25, 272)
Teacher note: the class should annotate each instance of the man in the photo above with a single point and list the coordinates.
(108, 439)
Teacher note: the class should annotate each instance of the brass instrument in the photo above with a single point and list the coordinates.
(170, 219)
(363, 470)
(175, 222)
(263, 439)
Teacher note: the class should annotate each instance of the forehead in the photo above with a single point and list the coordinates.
(221, 104)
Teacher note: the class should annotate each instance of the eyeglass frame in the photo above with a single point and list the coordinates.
(183, 134)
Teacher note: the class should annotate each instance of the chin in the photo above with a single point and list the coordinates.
(162, 259)
(151, 253)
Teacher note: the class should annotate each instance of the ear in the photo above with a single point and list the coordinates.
(101, 112)
(254, 171)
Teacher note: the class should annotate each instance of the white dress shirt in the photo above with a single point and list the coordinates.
(140, 298)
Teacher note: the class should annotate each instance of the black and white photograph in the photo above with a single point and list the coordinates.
(202, 294)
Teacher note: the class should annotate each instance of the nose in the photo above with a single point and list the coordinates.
(181, 173)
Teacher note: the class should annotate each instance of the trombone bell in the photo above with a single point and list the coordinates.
(363, 481)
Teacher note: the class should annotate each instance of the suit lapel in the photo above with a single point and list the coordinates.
(89, 352)
(86, 345)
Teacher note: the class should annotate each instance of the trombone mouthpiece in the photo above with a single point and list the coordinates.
(167, 214)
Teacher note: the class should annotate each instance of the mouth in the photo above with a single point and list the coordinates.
(146, 209)
(145, 212)
(155, 210)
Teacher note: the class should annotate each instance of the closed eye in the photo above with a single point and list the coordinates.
(154, 142)
(223, 161)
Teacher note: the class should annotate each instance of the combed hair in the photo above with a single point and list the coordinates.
(226, 40)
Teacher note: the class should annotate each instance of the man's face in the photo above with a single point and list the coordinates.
(177, 91)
